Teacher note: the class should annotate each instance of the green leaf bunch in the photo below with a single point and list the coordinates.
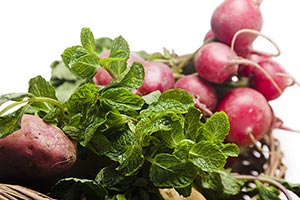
(142, 143)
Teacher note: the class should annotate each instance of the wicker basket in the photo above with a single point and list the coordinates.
(263, 158)
(17, 192)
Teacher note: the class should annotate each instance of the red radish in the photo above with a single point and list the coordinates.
(158, 76)
(246, 70)
(248, 50)
(234, 15)
(264, 85)
(209, 36)
(36, 151)
(204, 94)
(249, 114)
(213, 62)
(102, 77)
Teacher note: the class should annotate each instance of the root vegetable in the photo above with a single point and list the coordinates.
(213, 62)
(234, 15)
(264, 85)
(249, 114)
(102, 77)
(204, 94)
(36, 151)
(158, 76)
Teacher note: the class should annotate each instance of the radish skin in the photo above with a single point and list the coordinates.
(249, 115)
(213, 62)
(233, 15)
(203, 92)
(158, 76)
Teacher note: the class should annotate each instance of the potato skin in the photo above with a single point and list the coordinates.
(36, 151)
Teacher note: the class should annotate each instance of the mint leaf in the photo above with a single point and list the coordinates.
(39, 87)
(266, 192)
(109, 177)
(83, 60)
(87, 40)
(179, 95)
(72, 53)
(221, 185)
(156, 122)
(12, 97)
(10, 123)
(75, 188)
(171, 138)
(127, 152)
(122, 99)
(83, 112)
(175, 100)
(169, 171)
(119, 54)
(183, 148)
(85, 66)
(193, 124)
(152, 97)
(115, 120)
(230, 185)
(131, 78)
(44, 97)
(216, 127)
(231, 149)
(84, 98)
(207, 156)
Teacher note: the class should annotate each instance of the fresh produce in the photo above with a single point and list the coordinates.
(158, 76)
(249, 114)
(39, 151)
(263, 84)
(213, 62)
(102, 77)
(204, 94)
(234, 15)
(158, 122)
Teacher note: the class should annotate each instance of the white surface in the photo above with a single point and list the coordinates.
(34, 33)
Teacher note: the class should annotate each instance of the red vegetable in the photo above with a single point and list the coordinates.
(264, 85)
(249, 114)
(158, 76)
(234, 15)
(213, 62)
(36, 151)
(204, 94)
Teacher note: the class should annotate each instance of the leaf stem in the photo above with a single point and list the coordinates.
(183, 60)
(266, 180)
(32, 100)
(12, 105)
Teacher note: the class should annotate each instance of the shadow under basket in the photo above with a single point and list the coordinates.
(263, 158)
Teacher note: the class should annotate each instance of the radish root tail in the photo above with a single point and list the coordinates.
(252, 31)
(240, 60)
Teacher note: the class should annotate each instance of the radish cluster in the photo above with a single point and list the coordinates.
(227, 57)
(224, 61)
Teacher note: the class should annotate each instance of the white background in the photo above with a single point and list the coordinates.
(34, 33)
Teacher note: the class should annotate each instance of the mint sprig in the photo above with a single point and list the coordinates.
(145, 143)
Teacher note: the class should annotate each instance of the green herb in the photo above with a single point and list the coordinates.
(144, 143)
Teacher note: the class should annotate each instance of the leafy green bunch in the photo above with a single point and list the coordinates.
(142, 143)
